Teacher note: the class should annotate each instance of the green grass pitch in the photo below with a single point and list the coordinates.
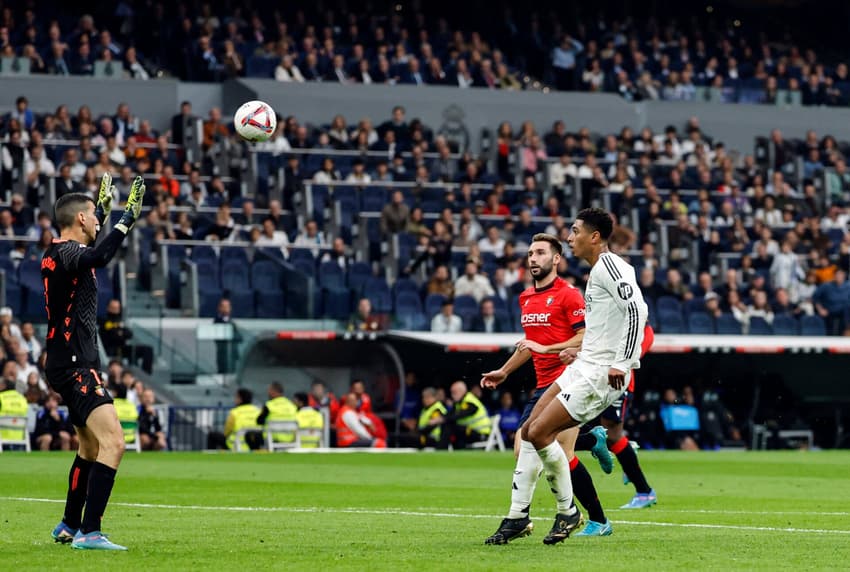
(429, 511)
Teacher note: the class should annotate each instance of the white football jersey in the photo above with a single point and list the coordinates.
(615, 315)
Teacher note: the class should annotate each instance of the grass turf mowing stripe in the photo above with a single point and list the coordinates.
(435, 514)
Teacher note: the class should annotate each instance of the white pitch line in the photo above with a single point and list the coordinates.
(318, 510)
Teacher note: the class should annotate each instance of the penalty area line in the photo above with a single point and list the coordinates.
(366, 511)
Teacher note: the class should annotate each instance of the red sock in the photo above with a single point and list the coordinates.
(618, 447)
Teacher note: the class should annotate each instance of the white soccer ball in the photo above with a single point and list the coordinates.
(255, 121)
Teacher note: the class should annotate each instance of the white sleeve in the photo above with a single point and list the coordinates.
(620, 282)
(353, 421)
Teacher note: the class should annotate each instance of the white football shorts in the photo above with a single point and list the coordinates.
(585, 392)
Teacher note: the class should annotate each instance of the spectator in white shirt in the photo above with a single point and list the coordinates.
(358, 173)
(472, 283)
(446, 322)
(271, 237)
(311, 236)
(288, 71)
(562, 172)
(30, 342)
(493, 242)
(37, 164)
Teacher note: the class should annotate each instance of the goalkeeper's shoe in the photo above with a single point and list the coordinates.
(564, 525)
(642, 500)
(510, 529)
(63, 533)
(594, 528)
(600, 451)
(95, 540)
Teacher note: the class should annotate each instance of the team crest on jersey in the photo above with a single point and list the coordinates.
(549, 300)
(624, 290)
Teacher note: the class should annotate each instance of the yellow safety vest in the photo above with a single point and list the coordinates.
(13, 404)
(480, 422)
(436, 408)
(309, 418)
(281, 409)
(128, 415)
(244, 417)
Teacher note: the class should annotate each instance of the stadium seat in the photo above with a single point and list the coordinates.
(331, 275)
(670, 322)
(378, 292)
(727, 325)
(700, 323)
(785, 325)
(336, 303)
(405, 285)
(466, 307)
(407, 303)
(760, 327)
(238, 255)
(358, 274)
(668, 304)
(203, 253)
(433, 303)
(812, 326)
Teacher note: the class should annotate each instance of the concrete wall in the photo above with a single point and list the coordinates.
(464, 110)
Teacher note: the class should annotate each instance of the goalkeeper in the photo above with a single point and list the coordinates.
(72, 366)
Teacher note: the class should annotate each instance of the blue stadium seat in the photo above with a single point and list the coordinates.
(305, 267)
(382, 302)
(241, 302)
(265, 275)
(700, 323)
(238, 255)
(670, 322)
(812, 326)
(373, 199)
(208, 303)
(208, 276)
(668, 304)
(302, 254)
(336, 303)
(105, 291)
(413, 322)
(466, 307)
(760, 327)
(331, 276)
(203, 253)
(233, 276)
(784, 325)
(406, 249)
(407, 303)
(358, 274)
(405, 285)
(29, 274)
(378, 292)
(727, 325)
(14, 296)
(269, 304)
(433, 303)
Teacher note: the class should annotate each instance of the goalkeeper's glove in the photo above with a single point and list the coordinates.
(134, 206)
(104, 200)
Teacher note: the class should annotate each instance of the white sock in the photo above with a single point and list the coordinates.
(557, 469)
(527, 472)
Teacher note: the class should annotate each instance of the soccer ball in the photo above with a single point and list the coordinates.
(255, 121)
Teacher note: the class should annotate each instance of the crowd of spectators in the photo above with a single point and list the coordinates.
(22, 358)
(656, 57)
(745, 237)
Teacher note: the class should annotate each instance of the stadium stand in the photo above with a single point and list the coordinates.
(730, 240)
(722, 56)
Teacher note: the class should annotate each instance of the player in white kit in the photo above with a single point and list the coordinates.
(615, 318)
